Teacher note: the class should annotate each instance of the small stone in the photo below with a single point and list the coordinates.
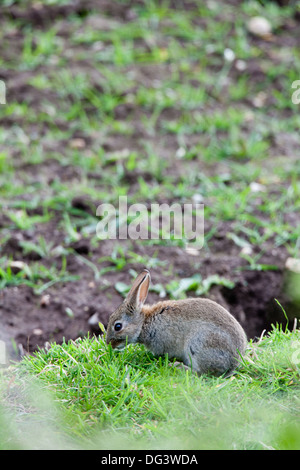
(293, 264)
(241, 65)
(247, 250)
(45, 300)
(259, 26)
(180, 152)
(77, 143)
(37, 331)
(257, 187)
(192, 251)
(17, 266)
(94, 319)
(229, 55)
(197, 198)
(260, 99)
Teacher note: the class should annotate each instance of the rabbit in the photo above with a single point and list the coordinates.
(198, 332)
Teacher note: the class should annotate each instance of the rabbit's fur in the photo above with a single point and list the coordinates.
(199, 332)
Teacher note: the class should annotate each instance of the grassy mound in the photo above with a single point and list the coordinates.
(82, 394)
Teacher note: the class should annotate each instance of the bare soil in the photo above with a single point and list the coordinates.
(71, 309)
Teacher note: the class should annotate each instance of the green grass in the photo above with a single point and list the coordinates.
(85, 395)
(36, 275)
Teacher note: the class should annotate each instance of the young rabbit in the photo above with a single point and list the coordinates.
(198, 332)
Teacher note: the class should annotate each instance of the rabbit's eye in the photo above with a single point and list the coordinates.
(118, 326)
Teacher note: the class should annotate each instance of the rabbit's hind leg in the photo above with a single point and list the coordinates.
(209, 360)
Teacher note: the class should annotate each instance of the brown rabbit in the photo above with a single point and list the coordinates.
(198, 332)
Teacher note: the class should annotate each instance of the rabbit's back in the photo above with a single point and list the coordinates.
(199, 332)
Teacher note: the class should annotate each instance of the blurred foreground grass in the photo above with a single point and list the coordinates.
(82, 394)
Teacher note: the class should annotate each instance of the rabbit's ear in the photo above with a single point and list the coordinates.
(138, 293)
